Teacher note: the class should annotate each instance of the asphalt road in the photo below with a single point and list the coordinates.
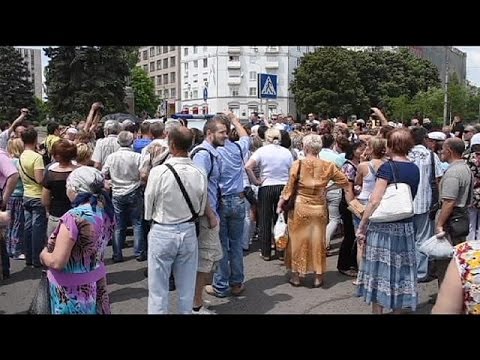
(267, 290)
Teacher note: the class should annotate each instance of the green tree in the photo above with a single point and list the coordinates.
(327, 82)
(43, 109)
(16, 90)
(144, 91)
(77, 76)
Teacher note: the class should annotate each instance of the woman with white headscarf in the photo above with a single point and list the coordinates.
(75, 251)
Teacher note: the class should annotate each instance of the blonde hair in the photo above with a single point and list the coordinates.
(84, 153)
(378, 147)
(273, 136)
(15, 147)
(312, 144)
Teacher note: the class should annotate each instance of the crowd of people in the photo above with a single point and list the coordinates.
(196, 201)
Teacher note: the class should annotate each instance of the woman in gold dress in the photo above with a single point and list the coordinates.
(308, 219)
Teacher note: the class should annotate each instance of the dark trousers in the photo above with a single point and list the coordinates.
(347, 256)
(4, 260)
(268, 197)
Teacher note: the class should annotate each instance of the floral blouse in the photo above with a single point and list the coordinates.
(467, 259)
(471, 162)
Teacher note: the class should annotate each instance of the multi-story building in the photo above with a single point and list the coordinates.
(216, 78)
(162, 64)
(439, 55)
(33, 58)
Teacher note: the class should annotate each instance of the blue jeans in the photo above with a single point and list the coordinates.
(128, 207)
(172, 246)
(230, 269)
(423, 230)
(35, 231)
(248, 227)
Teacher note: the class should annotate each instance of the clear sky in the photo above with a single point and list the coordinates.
(473, 62)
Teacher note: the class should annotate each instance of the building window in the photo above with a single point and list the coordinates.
(159, 80)
(152, 78)
(145, 68)
(185, 94)
(205, 81)
(165, 94)
(165, 49)
(252, 91)
(195, 94)
(195, 64)
(252, 75)
(173, 93)
(299, 61)
(172, 61)
(234, 58)
(152, 51)
(186, 66)
(195, 49)
(145, 55)
(271, 58)
(205, 48)
(172, 77)
(165, 79)
(172, 48)
(298, 48)
(234, 91)
(165, 63)
(185, 51)
(152, 66)
(159, 64)
(159, 93)
(205, 62)
(159, 50)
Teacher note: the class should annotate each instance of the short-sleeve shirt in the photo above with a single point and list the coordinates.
(456, 183)
(56, 182)
(31, 161)
(405, 172)
(7, 169)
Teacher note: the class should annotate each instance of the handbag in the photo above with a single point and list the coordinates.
(41, 300)
(396, 203)
(290, 203)
(458, 224)
(437, 247)
(357, 208)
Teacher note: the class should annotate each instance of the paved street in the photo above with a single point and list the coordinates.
(267, 290)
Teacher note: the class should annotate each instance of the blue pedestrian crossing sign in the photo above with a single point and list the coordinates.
(267, 86)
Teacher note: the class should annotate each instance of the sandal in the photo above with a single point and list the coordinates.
(349, 272)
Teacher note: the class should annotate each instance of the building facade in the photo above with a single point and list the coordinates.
(162, 64)
(439, 55)
(33, 59)
(217, 78)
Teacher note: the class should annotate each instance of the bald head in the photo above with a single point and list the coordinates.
(456, 146)
(180, 139)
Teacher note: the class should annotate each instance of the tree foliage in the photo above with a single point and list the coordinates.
(16, 90)
(336, 80)
(144, 91)
(327, 82)
(77, 76)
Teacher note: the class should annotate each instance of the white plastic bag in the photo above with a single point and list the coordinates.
(437, 247)
(280, 228)
(280, 232)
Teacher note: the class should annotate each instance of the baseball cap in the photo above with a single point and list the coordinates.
(438, 136)
(475, 142)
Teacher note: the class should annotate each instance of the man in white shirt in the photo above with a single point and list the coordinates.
(107, 145)
(426, 195)
(123, 169)
(6, 134)
(172, 241)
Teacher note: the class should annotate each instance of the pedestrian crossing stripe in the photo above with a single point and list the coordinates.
(268, 88)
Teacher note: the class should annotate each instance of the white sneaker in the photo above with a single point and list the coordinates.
(203, 311)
